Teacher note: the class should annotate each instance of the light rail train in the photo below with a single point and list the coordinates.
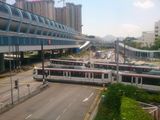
(149, 82)
(110, 66)
(146, 81)
(74, 75)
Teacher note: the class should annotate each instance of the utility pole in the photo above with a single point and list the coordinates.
(42, 57)
(117, 59)
(10, 71)
(115, 45)
(124, 51)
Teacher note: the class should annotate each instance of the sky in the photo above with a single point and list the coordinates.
(120, 18)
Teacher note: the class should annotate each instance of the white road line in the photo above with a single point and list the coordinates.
(69, 105)
(64, 110)
(86, 99)
(58, 117)
(28, 116)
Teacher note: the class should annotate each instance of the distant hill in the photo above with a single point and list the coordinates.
(109, 38)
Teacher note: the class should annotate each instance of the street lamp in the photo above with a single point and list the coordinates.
(42, 57)
(10, 71)
(117, 59)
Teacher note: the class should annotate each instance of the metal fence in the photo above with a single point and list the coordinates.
(5, 106)
(153, 110)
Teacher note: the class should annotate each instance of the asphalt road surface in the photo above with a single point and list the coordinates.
(58, 102)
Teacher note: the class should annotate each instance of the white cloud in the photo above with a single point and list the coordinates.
(144, 3)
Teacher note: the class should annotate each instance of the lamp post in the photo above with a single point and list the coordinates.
(124, 51)
(117, 59)
(42, 57)
(10, 71)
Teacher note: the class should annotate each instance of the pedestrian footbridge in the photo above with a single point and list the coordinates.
(28, 31)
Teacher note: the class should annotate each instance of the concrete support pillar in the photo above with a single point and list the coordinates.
(131, 80)
(39, 53)
(136, 81)
(21, 55)
(52, 52)
(2, 64)
(61, 51)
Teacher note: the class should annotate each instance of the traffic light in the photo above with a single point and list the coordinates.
(16, 84)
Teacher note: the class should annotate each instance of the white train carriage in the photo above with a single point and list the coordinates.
(74, 75)
(145, 81)
(73, 62)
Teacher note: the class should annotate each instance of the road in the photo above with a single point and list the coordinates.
(109, 57)
(58, 102)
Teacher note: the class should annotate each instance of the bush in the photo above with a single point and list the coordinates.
(130, 110)
(110, 107)
(133, 92)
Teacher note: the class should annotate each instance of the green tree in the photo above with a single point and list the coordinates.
(157, 43)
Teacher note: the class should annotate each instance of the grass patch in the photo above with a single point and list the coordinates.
(130, 110)
(110, 107)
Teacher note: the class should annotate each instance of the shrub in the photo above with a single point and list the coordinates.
(111, 109)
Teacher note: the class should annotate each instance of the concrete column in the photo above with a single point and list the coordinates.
(52, 52)
(21, 55)
(136, 81)
(2, 64)
(131, 80)
(39, 53)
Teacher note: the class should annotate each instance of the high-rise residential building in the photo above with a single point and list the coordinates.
(60, 16)
(157, 29)
(41, 7)
(20, 3)
(70, 15)
(148, 38)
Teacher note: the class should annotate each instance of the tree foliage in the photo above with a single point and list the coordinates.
(157, 43)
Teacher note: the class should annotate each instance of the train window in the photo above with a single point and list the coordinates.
(151, 81)
(105, 75)
(97, 75)
(39, 72)
(56, 73)
(77, 74)
(126, 78)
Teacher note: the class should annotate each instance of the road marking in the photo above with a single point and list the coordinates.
(86, 99)
(64, 110)
(69, 105)
(58, 117)
(28, 116)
